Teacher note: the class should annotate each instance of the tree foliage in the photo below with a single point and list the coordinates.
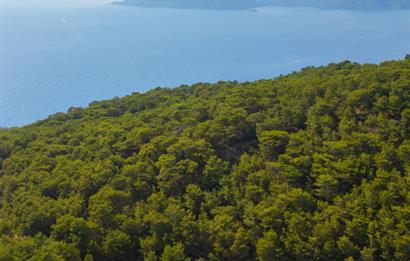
(314, 165)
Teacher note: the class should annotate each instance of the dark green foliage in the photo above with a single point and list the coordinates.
(310, 166)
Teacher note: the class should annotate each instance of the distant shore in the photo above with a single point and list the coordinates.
(249, 4)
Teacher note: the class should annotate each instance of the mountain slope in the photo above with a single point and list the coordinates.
(314, 165)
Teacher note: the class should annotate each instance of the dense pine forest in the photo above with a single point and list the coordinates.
(314, 165)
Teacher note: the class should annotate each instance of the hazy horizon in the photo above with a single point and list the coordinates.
(73, 52)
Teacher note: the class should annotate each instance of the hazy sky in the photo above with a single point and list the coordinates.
(51, 3)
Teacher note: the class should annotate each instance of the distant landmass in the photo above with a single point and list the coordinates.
(246, 4)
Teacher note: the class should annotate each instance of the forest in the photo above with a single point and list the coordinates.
(246, 4)
(314, 165)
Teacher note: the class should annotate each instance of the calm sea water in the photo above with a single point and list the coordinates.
(70, 53)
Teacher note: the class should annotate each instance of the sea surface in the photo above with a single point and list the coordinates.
(58, 54)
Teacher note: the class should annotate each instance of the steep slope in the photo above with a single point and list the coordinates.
(314, 165)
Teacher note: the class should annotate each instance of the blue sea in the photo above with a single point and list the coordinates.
(58, 54)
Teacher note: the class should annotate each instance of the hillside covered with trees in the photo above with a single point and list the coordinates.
(314, 165)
